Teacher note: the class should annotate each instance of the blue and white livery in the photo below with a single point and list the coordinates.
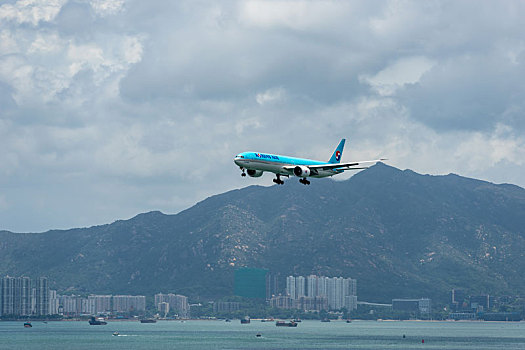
(255, 164)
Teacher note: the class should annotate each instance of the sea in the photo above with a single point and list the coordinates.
(216, 334)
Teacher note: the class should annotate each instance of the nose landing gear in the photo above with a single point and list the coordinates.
(243, 174)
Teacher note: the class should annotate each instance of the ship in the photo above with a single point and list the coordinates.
(28, 324)
(286, 324)
(148, 320)
(245, 320)
(97, 321)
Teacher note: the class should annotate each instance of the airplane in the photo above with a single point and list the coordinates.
(255, 164)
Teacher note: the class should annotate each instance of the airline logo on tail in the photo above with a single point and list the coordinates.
(338, 155)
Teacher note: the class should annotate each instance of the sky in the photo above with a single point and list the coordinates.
(110, 108)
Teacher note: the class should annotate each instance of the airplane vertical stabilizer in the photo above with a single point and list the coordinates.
(338, 153)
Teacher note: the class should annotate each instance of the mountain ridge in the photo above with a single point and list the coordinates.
(400, 233)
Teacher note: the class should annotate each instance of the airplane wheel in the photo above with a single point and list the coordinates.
(243, 174)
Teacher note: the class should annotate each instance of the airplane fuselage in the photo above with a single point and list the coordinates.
(275, 163)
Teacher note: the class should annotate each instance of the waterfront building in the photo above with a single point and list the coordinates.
(163, 308)
(129, 303)
(335, 289)
(8, 295)
(226, 306)
(282, 302)
(71, 305)
(422, 305)
(317, 303)
(53, 302)
(99, 304)
(15, 296)
(42, 296)
(290, 287)
(480, 302)
(177, 303)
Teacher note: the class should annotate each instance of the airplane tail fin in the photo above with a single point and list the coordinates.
(338, 153)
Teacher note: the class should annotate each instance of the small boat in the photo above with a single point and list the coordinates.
(258, 335)
(245, 320)
(148, 320)
(286, 324)
(348, 321)
(116, 334)
(28, 324)
(267, 319)
(227, 320)
(297, 320)
(325, 320)
(97, 321)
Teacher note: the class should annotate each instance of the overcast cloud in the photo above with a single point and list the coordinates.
(109, 108)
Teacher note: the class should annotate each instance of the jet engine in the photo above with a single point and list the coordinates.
(301, 171)
(254, 173)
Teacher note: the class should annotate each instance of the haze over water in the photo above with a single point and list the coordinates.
(223, 335)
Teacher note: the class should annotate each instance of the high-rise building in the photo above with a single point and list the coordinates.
(334, 289)
(15, 296)
(71, 305)
(129, 303)
(8, 295)
(99, 304)
(23, 296)
(42, 296)
(273, 286)
(53, 302)
(178, 303)
(290, 287)
(250, 282)
(300, 286)
(282, 302)
(164, 308)
(226, 306)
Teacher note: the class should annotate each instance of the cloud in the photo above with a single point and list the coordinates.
(31, 11)
(404, 71)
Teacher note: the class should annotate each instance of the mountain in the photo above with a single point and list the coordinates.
(399, 233)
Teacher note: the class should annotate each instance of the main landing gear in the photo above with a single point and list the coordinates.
(304, 181)
(278, 180)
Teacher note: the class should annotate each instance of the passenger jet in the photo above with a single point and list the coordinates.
(255, 164)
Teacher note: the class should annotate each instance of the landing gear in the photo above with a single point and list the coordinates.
(304, 181)
(243, 173)
(278, 180)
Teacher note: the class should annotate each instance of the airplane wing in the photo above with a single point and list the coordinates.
(339, 166)
(346, 166)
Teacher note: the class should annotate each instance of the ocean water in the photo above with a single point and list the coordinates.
(233, 335)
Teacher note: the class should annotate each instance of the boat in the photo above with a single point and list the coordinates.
(325, 320)
(286, 324)
(28, 324)
(227, 320)
(267, 319)
(258, 335)
(148, 320)
(97, 321)
(348, 321)
(245, 320)
(116, 334)
(297, 320)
